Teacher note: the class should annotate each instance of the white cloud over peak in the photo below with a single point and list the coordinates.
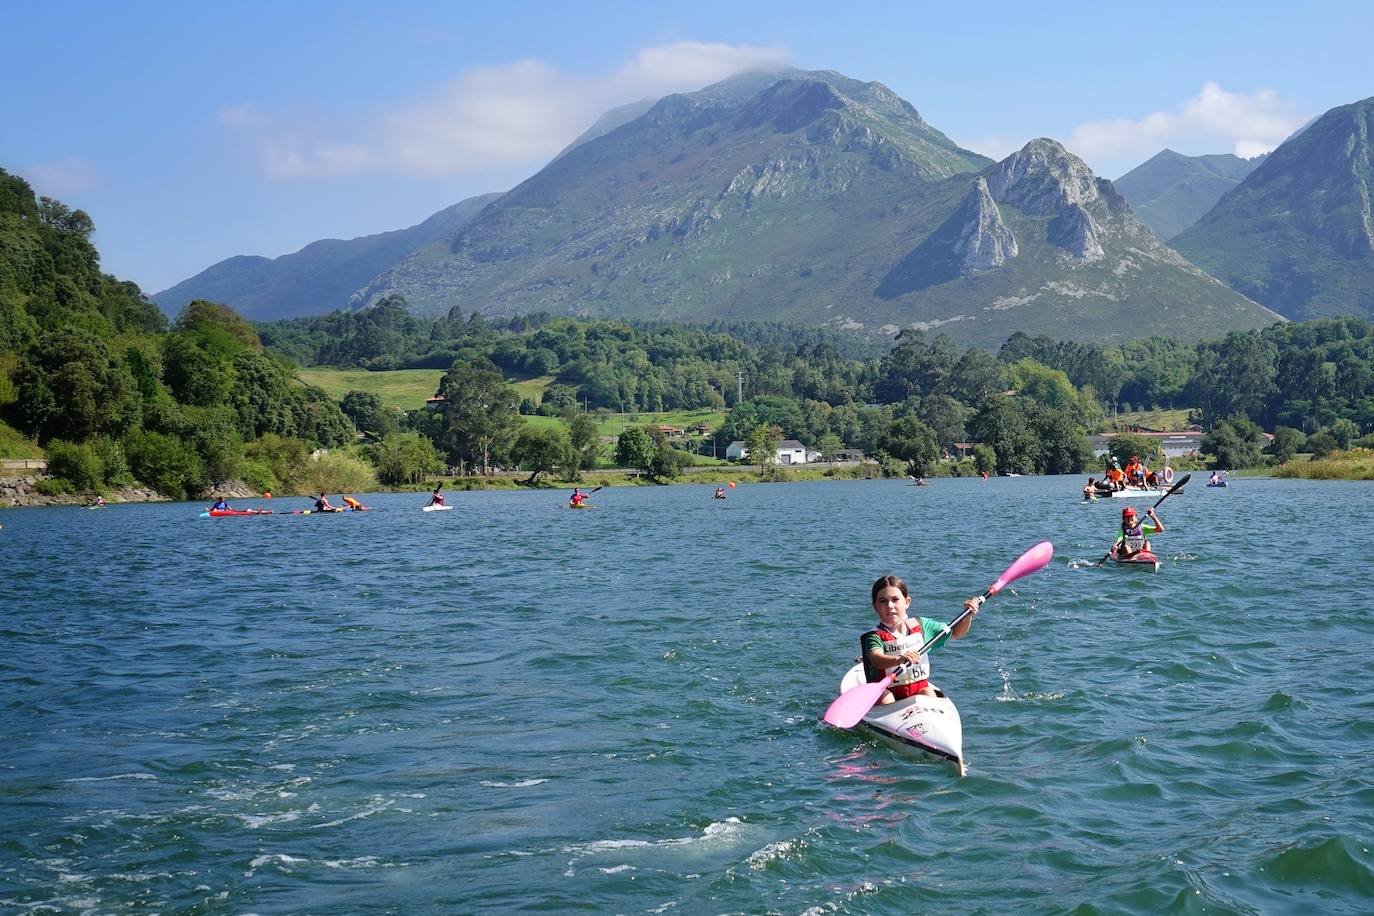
(1214, 120)
(522, 112)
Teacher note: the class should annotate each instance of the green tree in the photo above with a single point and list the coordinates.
(634, 449)
(1235, 443)
(70, 385)
(830, 446)
(165, 463)
(1344, 431)
(77, 463)
(367, 413)
(585, 441)
(1320, 444)
(984, 458)
(544, 450)
(193, 374)
(762, 448)
(405, 457)
(1287, 443)
(479, 418)
(913, 442)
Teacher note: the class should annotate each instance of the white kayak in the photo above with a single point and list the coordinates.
(928, 725)
(435, 508)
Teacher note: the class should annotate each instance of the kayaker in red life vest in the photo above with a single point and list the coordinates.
(1131, 540)
(577, 498)
(436, 498)
(897, 637)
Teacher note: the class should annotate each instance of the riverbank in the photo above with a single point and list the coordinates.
(1355, 464)
(21, 490)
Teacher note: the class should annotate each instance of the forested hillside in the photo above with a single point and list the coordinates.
(90, 370)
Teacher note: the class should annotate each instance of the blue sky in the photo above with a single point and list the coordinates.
(192, 135)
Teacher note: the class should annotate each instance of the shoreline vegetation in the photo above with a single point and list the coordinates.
(21, 491)
(1355, 464)
(113, 396)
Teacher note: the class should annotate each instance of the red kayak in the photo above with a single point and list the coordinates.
(1142, 559)
(220, 513)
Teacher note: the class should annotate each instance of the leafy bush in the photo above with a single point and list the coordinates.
(76, 463)
(166, 464)
(54, 486)
(335, 472)
(403, 458)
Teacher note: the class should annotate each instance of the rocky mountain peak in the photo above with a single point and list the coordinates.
(984, 242)
(1043, 178)
(791, 104)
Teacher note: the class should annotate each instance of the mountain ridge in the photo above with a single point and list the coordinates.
(319, 277)
(1298, 234)
(1170, 191)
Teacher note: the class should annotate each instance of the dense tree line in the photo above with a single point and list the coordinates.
(94, 372)
(90, 369)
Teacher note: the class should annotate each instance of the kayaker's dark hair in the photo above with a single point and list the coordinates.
(888, 582)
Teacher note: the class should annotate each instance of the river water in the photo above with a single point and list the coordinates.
(515, 707)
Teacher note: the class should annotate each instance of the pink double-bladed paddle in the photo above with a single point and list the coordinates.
(849, 707)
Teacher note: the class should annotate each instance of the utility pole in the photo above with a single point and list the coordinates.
(739, 386)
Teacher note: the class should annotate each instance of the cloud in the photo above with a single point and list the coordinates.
(523, 112)
(1246, 123)
(63, 178)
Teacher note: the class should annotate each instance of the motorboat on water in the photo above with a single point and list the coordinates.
(919, 724)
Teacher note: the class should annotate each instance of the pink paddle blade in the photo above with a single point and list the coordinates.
(849, 707)
(1037, 558)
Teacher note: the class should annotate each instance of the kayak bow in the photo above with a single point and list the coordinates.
(922, 724)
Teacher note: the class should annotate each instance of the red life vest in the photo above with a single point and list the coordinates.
(902, 691)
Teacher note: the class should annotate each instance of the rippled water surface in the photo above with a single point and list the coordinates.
(514, 707)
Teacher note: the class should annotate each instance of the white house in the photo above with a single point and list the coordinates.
(787, 451)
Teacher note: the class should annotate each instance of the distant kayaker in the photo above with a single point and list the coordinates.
(577, 498)
(720, 492)
(100, 502)
(897, 637)
(322, 505)
(353, 504)
(220, 505)
(985, 476)
(1131, 540)
(1214, 479)
(436, 498)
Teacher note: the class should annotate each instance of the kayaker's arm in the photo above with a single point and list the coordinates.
(961, 628)
(1159, 526)
(882, 661)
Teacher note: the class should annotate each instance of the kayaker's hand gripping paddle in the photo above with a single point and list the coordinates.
(851, 706)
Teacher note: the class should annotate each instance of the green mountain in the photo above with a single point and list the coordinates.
(1171, 191)
(817, 199)
(317, 279)
(1297, 233)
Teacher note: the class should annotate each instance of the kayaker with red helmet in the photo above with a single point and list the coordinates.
(1131, 540)
(897, 637)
